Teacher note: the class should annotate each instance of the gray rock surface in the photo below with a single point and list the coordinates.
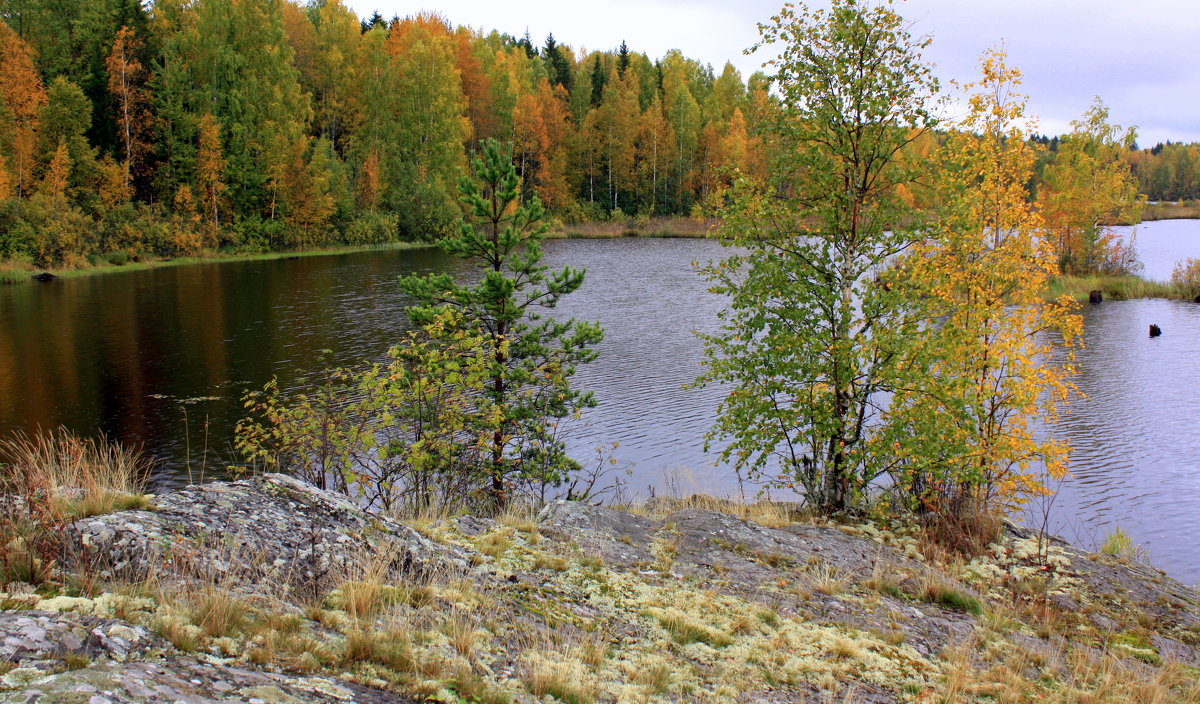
(272, 527)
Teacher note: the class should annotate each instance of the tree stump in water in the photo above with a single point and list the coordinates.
(1155, 331)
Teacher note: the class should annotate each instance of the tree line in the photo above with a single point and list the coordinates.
(251, 125)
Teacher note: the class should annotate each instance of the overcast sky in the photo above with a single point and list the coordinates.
(1142, 57)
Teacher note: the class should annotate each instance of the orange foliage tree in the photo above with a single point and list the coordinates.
(22, 94)
(126, 83)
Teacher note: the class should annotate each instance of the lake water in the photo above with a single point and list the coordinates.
(162, 357)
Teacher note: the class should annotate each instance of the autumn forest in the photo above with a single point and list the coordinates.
(254, 125)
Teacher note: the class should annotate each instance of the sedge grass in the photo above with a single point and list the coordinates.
(1113, 287)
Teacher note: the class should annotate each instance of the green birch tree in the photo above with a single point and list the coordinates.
(813, 331)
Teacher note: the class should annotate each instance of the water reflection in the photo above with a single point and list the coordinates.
(163, 356)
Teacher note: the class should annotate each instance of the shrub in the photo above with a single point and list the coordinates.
(1187, 275)
(372, 227)
(406, 435)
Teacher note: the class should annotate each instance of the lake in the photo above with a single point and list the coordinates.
(162, 357)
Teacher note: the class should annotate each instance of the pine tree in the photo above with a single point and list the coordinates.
(558, 67)
(532, 357)
(599, 79)
(622, 59)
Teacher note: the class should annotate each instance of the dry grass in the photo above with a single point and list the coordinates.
(770, 514)
(828, 580)
(520, 516)
(883, 580)
(462, 630)
(960, 531)
(685, 629)
(559, 680)
(550, 562)
(218, 613)
(62, 461)
(50, 479)
(1078, 676)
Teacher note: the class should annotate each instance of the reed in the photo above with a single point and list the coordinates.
(13, 273)
(1113, 287)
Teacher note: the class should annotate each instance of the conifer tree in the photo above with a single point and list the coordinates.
(532, 358)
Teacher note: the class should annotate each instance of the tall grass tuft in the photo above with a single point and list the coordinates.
(62, 462)
(12, 273)
(47, 480)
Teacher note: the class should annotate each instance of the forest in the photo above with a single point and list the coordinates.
(131, 132)
(251, 125)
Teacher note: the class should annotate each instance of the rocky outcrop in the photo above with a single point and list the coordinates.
(269, 528)
(65, 658)
(580, 603)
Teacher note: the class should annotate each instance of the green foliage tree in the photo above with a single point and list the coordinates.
(532, 357)
(812, 337)
(408, 434)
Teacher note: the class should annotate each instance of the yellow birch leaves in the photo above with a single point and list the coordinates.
(987, 382)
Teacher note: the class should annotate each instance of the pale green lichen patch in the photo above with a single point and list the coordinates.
(583, 604)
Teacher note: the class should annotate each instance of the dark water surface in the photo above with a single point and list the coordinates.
(163, 356)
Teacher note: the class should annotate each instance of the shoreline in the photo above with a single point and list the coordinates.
(667, 228)
(1116, 288)
(1078, 287)
(206, 258)
(662, 601)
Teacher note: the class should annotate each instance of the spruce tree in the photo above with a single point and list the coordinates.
(532, 357)
(598, 82)
(558, 67)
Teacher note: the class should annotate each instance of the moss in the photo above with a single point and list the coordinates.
(955, 599)
(684, 629)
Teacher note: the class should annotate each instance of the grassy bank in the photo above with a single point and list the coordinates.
(637, 227)
(1119, 288)
(19, 272)
(14, 272)
(1184, 209)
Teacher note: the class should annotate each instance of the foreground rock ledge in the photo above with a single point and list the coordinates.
(579, 604)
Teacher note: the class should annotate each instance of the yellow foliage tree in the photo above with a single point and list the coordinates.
(210, 169)
(1088, 188)
(984, 373)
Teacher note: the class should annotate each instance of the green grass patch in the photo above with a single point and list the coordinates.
(685, 629)
(105, 267)
(14, 273)
(1118, 288)
(952, 598)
